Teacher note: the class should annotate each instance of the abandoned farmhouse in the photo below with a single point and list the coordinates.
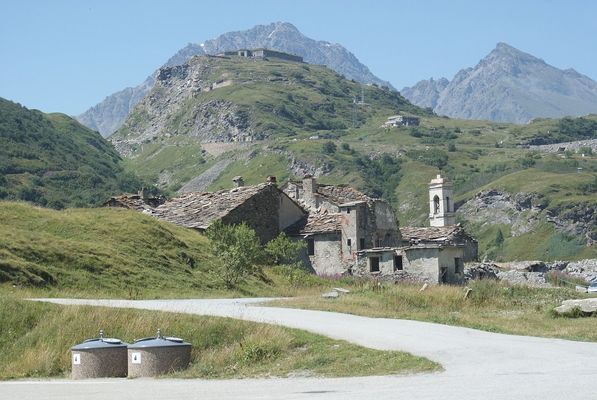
(346, 232)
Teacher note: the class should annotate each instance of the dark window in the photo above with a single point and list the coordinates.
(436, 204)
(361, 244)
(311, 247)
(348, 211)
(448, 208)
(398, 263)
(348, 242)
(458, 267)
(374, 264)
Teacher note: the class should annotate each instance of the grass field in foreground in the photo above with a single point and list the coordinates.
(35, 339)
(492, 306)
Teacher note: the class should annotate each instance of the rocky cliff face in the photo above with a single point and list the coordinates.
(523, 212)
(509, 86)
(425, 93)
(107, 116)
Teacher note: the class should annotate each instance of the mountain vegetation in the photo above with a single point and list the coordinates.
(52, 160)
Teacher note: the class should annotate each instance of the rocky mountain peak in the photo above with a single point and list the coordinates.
(108, 116)
(509, 85)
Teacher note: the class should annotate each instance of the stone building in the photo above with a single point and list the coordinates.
(400, 120)
(263, 54)
(264, 208)
(346, 232)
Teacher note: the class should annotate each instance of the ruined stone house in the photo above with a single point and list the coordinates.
(346, 232)
(264, 208)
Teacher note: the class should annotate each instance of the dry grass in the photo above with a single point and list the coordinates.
(35, 339)
(492, 306)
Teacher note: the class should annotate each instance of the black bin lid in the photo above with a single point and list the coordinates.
(100, 343)
(158, 341)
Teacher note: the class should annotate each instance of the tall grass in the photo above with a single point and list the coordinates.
(35, 339)
(491, 306)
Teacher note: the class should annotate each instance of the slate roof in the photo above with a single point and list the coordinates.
(198, 210)
(135, 202)
(340, 194)
(317, 222)
(431, 233)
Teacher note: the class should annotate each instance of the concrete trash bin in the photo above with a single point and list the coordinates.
(99, 358)
(157, 355)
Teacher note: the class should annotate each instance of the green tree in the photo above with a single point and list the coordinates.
(237, 249)
(499, 238)
(329, 148)
(283, 250)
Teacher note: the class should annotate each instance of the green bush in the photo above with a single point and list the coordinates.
(237, 249)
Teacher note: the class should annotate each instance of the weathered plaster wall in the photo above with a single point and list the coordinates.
(327, 260)
(289, 212)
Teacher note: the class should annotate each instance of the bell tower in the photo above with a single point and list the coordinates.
(441, 202)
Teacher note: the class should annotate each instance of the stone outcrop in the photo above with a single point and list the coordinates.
(520, 211)
(586, 306)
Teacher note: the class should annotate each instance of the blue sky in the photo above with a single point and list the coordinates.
(66, 55)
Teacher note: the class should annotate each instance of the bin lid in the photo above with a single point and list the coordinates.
(100, 343)
(158, 341)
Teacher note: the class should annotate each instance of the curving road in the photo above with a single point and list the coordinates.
(478, 365)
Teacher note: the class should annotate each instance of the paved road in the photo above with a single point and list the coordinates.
(478, 365)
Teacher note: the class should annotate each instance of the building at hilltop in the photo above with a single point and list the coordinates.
(263, 54)
(345, 231)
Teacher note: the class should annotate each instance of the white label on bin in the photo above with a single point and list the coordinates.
(76, 358)
(136, 358)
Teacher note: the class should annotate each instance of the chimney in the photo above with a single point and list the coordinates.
(272, 180)
(238, 181)
(310, 190)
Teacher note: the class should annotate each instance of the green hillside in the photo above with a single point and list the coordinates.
(258, 100)
(107, 251)
(52, 160)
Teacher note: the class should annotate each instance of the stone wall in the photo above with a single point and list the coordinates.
(419, 264)
(260, 212)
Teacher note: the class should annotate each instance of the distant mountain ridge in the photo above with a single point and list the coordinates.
(108, 115)
(508, 85)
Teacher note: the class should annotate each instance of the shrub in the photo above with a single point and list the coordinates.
(329, 148)
(237, 249)
(283, 250)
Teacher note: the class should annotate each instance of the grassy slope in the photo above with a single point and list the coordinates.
(35, 339)
(51, 159)
(492, 306)
(110, 253)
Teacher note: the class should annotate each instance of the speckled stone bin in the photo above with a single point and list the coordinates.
(157, 355)
(99, 358)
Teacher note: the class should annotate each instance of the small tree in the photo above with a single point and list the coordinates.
(499, 238)
(283, 250)
(329, 148)
(237, 250)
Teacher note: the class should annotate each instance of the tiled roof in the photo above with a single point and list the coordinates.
(340, 194)
(135, 202)
(199, 210)
(317, 222)
(431, 233)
